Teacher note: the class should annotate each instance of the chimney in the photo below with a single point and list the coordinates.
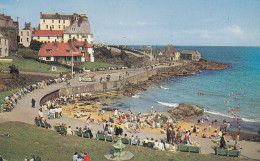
(85, 42)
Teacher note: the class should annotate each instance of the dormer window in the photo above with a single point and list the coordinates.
(48, 50)
(67, 51)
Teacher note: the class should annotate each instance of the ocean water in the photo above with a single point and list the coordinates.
(243, 78)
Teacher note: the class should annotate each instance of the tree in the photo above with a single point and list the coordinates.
(36, 45)
(14, 69)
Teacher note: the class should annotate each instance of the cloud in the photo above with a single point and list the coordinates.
(235, 29)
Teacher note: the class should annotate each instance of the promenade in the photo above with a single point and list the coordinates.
(23, 112)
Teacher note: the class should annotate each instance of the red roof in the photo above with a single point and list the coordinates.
(49, 33)
(59, 49)
(75, 42)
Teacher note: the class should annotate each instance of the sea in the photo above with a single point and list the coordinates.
(221, 87)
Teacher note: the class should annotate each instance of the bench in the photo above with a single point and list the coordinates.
(86, 135)
(150, 144)
(225, 152)
(100, 137)
(78, 133)
(57, 128)
(109, 138)
(189, 148)
(126, 141)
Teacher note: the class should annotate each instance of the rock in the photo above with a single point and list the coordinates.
(184, 110)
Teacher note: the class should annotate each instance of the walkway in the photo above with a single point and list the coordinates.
(23, 112)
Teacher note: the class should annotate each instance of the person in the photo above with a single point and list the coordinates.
(172, 136)
(75, 156)
(222, 142)
(161, 145)
(168, 134)
(69, 131)
(86, 157)
(156, 145)
(145, 143)
(2, 69)
(136, 140)
(40, 113)
(33, 103)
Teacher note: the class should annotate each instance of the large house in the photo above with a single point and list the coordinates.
(62, 28)
(10, 30)
(80, 51)
(4, 47)
(191, 55)
(26, 35)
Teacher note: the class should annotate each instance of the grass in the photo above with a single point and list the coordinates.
(7, 93)
(91, 65)
(28, 140)
(30, 65)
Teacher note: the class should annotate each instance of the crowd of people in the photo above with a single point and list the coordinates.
(12, 100)
(80, 157)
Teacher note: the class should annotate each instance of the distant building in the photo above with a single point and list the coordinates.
(168, 55)
(10, 30)
(191, 55)
(171, 53)
(62, 52)
(4, 46)
(62, 28)
(26, 35)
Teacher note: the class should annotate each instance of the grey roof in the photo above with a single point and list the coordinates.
(171, 49)
(190, 52)
(56, 16)
(83, 28)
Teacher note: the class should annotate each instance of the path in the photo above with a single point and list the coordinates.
(23, 112)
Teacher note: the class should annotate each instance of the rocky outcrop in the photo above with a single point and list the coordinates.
(184, 110)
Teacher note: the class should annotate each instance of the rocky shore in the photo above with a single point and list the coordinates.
(187, 68)
(184, 110)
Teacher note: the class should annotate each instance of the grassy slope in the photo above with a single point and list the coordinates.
(31, 65)
(8, 93)
(91, 65)
(28, 140)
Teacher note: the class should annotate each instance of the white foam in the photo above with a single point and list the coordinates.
(136, 96)
(250, 120)
(230, 116)
(168, 104)
(163, 87)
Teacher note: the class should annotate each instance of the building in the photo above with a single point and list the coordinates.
(4, 46)
(10, 30)
(169, 55)
(191, 55)
(48, 36)
(26, 35)
(63, 52)
(62, 28)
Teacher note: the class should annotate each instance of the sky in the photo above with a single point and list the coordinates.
(154, 22)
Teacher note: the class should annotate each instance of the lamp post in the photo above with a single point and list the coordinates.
(72, 65)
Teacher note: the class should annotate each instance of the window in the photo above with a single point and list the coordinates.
(46, 26)
(77, 35)
(48, 37)
(48, 58)
(67, 51)
(63, 21)
(70, 36)
(5, 42)
(52, 26)
(0, 41)
(27, 39)
(43, 21)
(39, 37)
(52, 21)
(63, 27)
(1, 52)
(59, 26)
(21, 33)
(28, 33)
(48, 50)
(59, 21)
(21, 40)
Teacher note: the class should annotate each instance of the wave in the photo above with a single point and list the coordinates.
(168, 104)
(136, 96)
(163, 87)
(230, 116)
